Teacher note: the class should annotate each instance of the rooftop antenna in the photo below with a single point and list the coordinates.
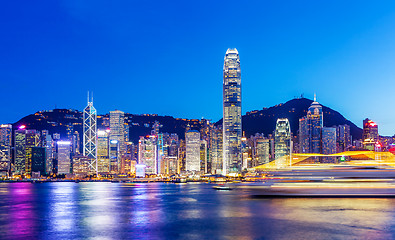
(88, 96)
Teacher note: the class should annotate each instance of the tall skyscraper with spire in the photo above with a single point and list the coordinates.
(310, 129)
(90, 135)
(232, 157)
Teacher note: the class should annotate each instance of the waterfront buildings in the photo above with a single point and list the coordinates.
(232, 156)
(192, 140)
(90, 135)
(282, 138)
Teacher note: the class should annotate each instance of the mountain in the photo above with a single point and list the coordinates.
(264, 121)
(259, 121)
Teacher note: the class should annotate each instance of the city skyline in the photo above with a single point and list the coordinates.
(81, 46)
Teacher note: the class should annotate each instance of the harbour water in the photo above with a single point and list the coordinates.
(103, 210)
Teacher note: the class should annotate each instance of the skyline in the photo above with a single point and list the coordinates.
(346, 60)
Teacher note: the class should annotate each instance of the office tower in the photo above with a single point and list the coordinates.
(343, 137)
(192, 143)
(160, 149)
(310, 128)
(148, 154)
(245, 148)
(261, 150)
(35, 161)
(103, 160)
(170, 165)
(48, 144)
(304, 135)
(64, 161)
(20, 150)
(232, 157)
(216, 150)
(117, 134)
(282, 138)
(328, 143)
(81, 166)
(181, 155)
(5, 148)
(90, 135)
(203, 156)
(115, 157)
(370, 134)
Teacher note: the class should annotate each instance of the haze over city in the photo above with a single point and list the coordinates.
(167, 58)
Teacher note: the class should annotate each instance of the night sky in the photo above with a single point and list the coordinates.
(166, 57)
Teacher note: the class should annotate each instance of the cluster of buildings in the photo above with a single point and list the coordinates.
(222, 149)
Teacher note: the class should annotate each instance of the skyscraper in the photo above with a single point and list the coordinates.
(5, 148)
(370, 134)
(232, 157)
(90, 135)
(64, 161)
(310, 129)
(328, 143)
(216, 155)
(282, 138)
(103, 161)
(148, 154)
(192, 141)
(117, 134)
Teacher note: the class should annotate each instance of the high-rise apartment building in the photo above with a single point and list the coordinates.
(192, 141)
(282, 138)
(232, 156)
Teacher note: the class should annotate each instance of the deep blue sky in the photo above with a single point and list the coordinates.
(166, 57)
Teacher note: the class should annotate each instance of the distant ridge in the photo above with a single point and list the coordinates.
(264, 121)
(259, 121)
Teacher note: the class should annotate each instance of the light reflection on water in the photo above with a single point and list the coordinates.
(181, 211)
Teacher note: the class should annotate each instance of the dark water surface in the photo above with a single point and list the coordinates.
(182, 211)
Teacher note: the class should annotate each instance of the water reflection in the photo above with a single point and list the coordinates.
(181, 211)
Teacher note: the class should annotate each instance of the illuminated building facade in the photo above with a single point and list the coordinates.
(20, 150)
(90, 135)
(370, 134)
(282, 138)
(81, 166)
(36, 159)
(343, 137)
(216, 150)
(64, 161)
(310, 129)
(204, 158)
(5, 148)
(148, 154)
(261, 150)
(232, 156)
(328, 143)
(117, 129)
(48, 144)
(103, 160)
(192, 140)
(115, 157)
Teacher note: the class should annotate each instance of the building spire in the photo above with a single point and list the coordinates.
(315, 97)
